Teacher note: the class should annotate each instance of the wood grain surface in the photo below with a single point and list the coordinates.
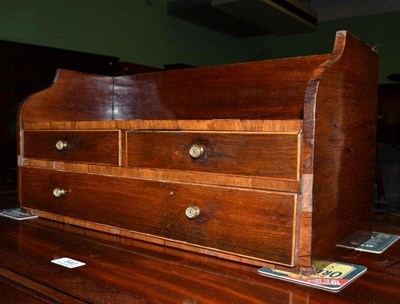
(101, 147)
(88, 98)
(266, 89)
(122, 270)
(258, 90)
(263, 229)
(345, 118)
(202, 178)
(269, 155)
(17, 288)
(245, 125)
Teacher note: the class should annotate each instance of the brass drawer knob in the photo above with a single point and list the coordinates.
(196, 151)
(61, 145)
(192, 212)
(59, 192)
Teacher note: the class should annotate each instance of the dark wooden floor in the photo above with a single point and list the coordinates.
(121, 270)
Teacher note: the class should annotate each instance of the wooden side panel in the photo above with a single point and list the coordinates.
(270, 155)
(257, 224)
(100, 147)
(73, 96)
(265, 89)
(344, 151)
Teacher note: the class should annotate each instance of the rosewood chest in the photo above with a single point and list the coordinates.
(267, 163)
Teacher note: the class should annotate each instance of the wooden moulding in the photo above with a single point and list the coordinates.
(233, 125)
(167, 175)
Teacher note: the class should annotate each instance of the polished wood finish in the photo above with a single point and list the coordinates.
(203, 178)
(258, 91)
(270, 155)
(246, 91)
(159, 208)
(344, 123)
(122, 270)
(16, 288)
(100, 147)
(233, 125)
(89, 98)
(312, 116)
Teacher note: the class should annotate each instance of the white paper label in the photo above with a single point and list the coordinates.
(67, 262)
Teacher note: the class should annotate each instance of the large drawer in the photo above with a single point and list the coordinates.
(252, 154)
(101, 147)
(256, 224)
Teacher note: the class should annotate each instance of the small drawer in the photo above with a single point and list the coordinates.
(256, 224)
(100, 147)
(267, 155)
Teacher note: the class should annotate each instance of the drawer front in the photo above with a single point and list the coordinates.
(256, 224)
(100, 147)
(268, 155)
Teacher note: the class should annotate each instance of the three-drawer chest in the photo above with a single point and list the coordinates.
(267, 163)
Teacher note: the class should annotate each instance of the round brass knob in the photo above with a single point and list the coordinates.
(192, 212)
(61, 145)
(196, 151)
(59, 192)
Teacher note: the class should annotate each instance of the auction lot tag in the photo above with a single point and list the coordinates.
(67, 262)
(374, 242)
(17, 214)
(328, 276)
